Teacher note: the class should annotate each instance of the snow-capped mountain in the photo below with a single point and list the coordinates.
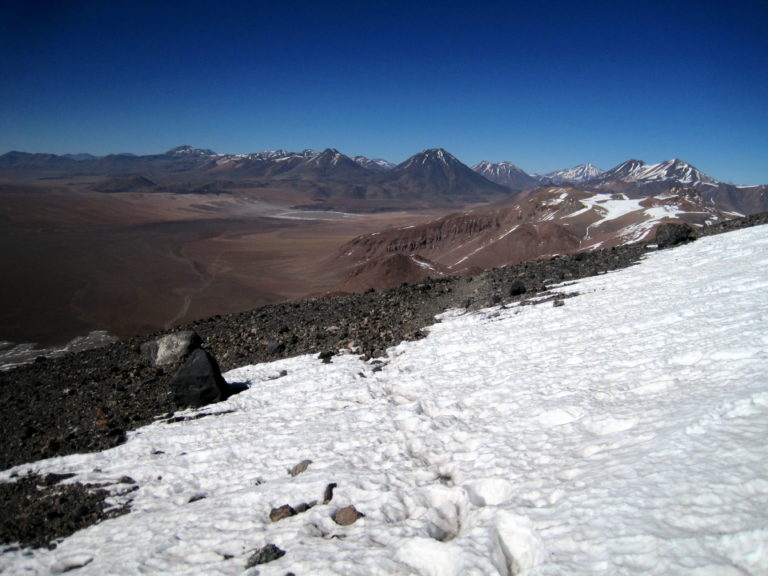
(330, 163)
(436, 172)
(620, 432)
(190, 151)
(673, 171)
(432, 157)
(375, 164)
(506, 174)
(576, 175)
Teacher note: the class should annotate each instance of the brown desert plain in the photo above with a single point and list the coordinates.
(75, 260)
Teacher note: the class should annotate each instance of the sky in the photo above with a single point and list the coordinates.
(545, 85)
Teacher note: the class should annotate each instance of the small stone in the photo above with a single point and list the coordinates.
(328, 496)
(284, 511)
(300, 467)
(196, 497)
(558, 303)
(126, 480)
(274, 347)
(265, 554)
(347, 515)
(304, 506)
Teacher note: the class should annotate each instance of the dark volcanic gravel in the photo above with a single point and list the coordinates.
(87, 401)
(38, 510)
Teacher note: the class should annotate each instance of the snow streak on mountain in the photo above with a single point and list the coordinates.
(620, 432)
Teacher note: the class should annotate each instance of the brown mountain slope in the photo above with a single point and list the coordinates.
(546, 222)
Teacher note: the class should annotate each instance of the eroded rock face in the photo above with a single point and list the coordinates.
(198, 382)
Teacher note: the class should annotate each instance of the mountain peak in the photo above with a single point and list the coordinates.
(673, 171)
(575, 175)
(439, 154)
(432, 157)
(506, 174)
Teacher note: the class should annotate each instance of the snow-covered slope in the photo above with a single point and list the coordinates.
(623, 432)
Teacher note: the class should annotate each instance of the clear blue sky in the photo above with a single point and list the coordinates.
(545, 85)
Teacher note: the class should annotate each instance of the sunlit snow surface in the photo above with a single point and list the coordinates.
(624, 432)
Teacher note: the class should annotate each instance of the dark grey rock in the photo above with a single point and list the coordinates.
(673, 234)
(304, 506)
(517, 288)
(198, 382)
(328, 495)
(274, 347)
(265, 554)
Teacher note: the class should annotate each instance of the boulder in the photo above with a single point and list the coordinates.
(198, 382)
(171, 348)
(517, 288)
(264, 555)
(672, 234)
(284, 511)
(347, 516)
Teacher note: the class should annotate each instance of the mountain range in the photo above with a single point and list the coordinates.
(332, 180)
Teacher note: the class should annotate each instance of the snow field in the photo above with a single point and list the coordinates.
(621, 433)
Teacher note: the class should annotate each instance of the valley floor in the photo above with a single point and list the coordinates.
(622, 432)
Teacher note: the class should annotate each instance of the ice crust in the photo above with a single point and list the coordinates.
(621, 433)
